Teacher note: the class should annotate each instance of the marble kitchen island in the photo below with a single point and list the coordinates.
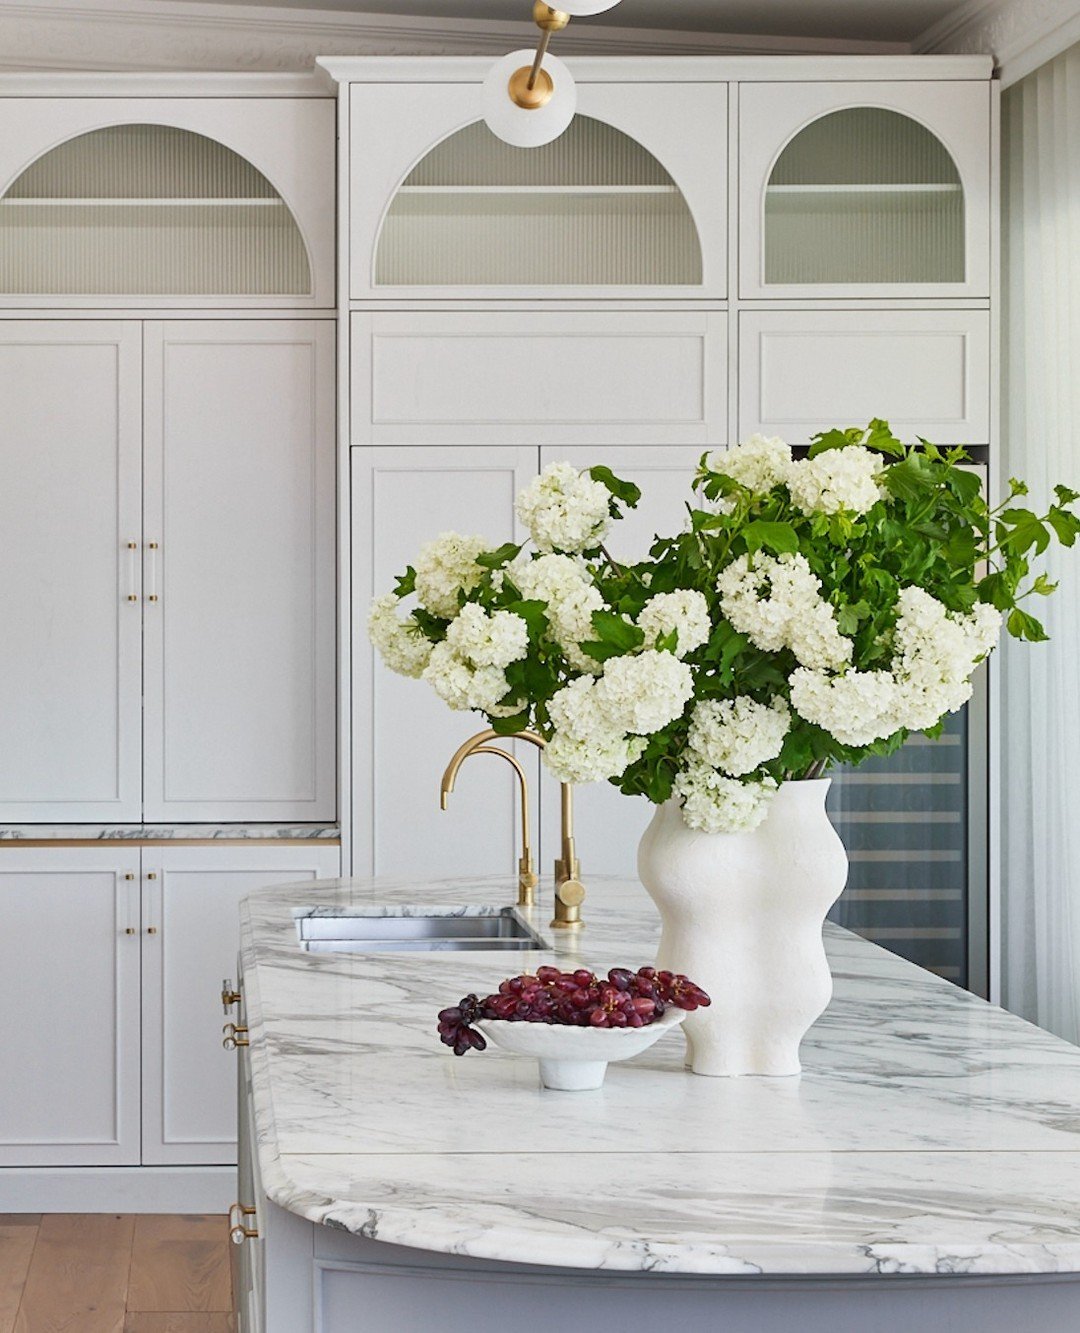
(924, 1170)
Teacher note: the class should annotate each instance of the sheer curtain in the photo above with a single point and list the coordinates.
(1040, 757)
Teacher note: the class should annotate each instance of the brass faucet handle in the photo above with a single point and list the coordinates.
(527, 881)
(569, 895)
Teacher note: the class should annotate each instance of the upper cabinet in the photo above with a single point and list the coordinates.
(864, 189)
(625, 202)
(183, 202)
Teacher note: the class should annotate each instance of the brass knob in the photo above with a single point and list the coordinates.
(130, 930)
(151, 930)
(569, 896)
(151, 874)
(549, 19)
(129, 875)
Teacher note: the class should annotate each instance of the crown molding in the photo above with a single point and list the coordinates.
(1020, 34)
(163, 35)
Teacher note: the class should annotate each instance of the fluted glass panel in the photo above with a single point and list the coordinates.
(864, 195)
(594, 208)
(148, 210)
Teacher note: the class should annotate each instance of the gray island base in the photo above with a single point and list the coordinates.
(922, 1172)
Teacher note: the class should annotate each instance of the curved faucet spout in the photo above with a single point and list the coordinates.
(569, 892)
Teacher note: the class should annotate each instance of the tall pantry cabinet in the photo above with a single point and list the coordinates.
(714, 247)
(167, 586)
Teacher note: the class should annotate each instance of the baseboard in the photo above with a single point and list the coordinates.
(122, 1189)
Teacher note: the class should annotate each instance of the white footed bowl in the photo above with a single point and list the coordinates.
(576, 1059)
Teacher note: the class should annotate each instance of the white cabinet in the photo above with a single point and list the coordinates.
(927, 372)
(69, 978)
(209, 202)
(70, 499)
(608, 825)
(403, 735)
(627, 201)
(539, 377)
(111, 962)
(239, 552)
(191, 898)
(864, 189)
(168, 570)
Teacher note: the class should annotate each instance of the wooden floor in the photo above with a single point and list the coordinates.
(99, 1273)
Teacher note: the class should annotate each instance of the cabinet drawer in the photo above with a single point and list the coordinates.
(926, 372)
(539, 378)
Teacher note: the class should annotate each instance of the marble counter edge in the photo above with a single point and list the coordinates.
(20, 833)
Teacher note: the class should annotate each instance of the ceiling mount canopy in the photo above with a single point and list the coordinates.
(528, 102)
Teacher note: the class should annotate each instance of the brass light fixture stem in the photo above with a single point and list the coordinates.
(532, 88)
(541, 52)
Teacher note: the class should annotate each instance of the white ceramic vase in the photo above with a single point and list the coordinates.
(742, 916)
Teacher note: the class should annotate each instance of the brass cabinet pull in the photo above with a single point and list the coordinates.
(153, 548)
(151, 930)
(235, 1034)
(151, 874)
(238, 1232)
(130, 930)
(229, 996)
(129, 875)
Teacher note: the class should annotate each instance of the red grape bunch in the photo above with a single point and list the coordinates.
(622, 999)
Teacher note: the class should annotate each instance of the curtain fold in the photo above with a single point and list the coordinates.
(1040, 755)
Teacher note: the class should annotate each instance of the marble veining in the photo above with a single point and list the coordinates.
(159, 832)
(930, 1133)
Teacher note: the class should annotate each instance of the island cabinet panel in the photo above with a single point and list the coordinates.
(191, 898)
(403, 735)
(608, 825)
(539, 377)
(626, 203)
(69, 993)
(239, 570)
(927, 372)
(71, 406)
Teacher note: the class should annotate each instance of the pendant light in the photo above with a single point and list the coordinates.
(529, 97)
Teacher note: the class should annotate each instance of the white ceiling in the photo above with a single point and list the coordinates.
(876, 20)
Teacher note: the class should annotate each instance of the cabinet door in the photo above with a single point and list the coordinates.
(626, 202)
(539, 377)
(927, 372)
(403, 734)
(191, 898)
(69, 976)
(239, 573)
(70, 655)
(608, 825)
(189, 201)
(864, 189)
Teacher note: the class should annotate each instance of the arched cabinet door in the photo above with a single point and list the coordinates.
(183, 202)
(864, 189)
(624, 203)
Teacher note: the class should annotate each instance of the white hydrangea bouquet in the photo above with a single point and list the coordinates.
(812, 612)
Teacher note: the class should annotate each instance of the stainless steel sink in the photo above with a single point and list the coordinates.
(424, 930)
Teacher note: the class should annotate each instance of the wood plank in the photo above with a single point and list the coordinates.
(77, 1282)
(16, 1247)
(20, 1219)
(180, 1323)
(180, 1264)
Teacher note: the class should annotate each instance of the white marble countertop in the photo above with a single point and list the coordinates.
(166, 832)
(930, 1132)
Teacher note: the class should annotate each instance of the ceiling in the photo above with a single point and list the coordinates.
(871, 20)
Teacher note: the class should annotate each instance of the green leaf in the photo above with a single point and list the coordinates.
(406, 583)
(614, 637)
(879, 436)
(1066, 495)
(848, 617)
(624, 491)
(1024, 531)
(1066, 526)
(1023, 626)
(667, 643)
(534, 615)
(1043, 586)
(497, 559)
(780, 538)
(966, 486)
(510, 726)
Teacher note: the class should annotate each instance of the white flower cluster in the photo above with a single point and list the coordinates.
(759, 463)
(444, 568)
(838, 479)
(712, 803)
(738, 735)
(686, 612)
(571, 599)
(565, 510)
(401, 644)
(598, 723)
(792, 614)
(934, 654)
(468, 669)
